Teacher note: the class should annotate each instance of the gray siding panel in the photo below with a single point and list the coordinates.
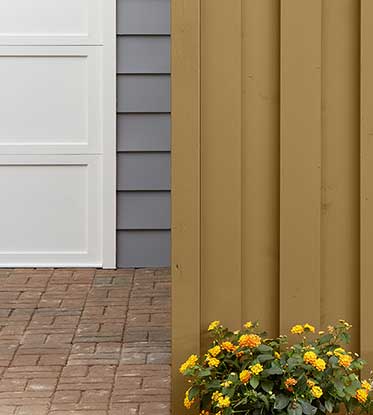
(143, 86)
(143, 54)
(144, 171)
(143, 248)
(144, 210)
(143, 93)
(143, 17)
(144, 132)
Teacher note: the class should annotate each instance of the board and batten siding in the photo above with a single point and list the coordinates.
(272, 168)
(143, 146)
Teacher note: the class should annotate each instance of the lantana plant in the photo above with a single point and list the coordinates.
(244, 372)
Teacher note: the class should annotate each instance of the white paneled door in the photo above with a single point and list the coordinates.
(57, 133)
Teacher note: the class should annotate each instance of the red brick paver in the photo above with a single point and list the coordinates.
(84, 342)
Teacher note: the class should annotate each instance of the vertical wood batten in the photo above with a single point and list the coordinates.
(260, 158)
(221, 162)
(366, 151)
(340, 165)
(185, 189)
(300, 175)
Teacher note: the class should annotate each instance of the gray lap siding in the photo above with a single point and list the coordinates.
(143, 138)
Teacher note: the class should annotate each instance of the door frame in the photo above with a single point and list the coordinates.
(109, 163)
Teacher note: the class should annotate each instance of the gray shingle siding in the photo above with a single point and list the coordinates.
(143, 83)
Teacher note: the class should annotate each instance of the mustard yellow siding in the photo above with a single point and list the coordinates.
(272, 118)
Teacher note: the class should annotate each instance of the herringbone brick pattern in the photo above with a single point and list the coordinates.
(84, 342)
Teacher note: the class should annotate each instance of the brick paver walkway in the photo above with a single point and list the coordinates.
(84, 342)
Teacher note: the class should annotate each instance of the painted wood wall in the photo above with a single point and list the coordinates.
(272, 167)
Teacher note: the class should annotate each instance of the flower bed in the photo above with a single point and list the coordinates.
(244, 372)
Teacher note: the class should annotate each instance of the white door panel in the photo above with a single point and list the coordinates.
(69, 120)
(52, 22)
(50, 215)
(57, 133)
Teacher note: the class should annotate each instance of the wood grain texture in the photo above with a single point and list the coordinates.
(366, 200)
(221, 98)
(340, 165)
(260, 162)
(300, 174)
(186, 249)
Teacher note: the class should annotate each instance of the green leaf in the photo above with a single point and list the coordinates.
(265, 357)
(302, 381)
(333, 360)
(281, 402)
(325, 338)
(267, 385)
(215, 384)
(351, 390)
(295, 409)
(254, 382)
(193, 392)
(345, 337)
(243, 401)
(228, 411)
(329, 406)
(307, 408)
(273, 371)
(233, 377)
(265, 401)
(263, 348)
(293, 362)
(204, 372)
(339, 389)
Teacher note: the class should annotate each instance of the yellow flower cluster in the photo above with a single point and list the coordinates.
(228, 346)
(249, 340)
(310, 383)
(299, 329)
(216, 395)
(214, 351)
(344, 360)
(320, 365)
(221, 400)
(188, 403)
(361, 395)
(224, 402)
(248, 325)
(339, 351)
(245, 376)
(212, 361)
(214, 325)
(316, 391)
(256, 369)
(226, 384)
(190, 362)
(366, 385)
(308, 327)
(310, 358)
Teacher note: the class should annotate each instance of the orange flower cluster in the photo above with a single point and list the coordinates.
(249, 340)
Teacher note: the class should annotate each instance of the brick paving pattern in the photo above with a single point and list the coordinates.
(84, 342)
